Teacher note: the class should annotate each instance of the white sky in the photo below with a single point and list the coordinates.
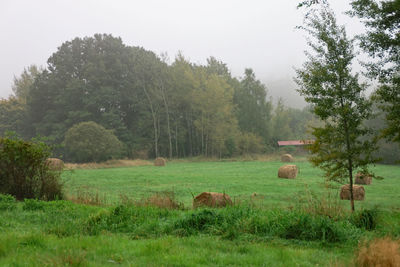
(255, 33)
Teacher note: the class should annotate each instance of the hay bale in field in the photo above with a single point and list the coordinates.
(288, 171)
(363, 179)
(55, 164)
(287, 158)
(358, 192)
(212, 199)
(160, 162)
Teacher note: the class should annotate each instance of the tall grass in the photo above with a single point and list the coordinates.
(379, 252)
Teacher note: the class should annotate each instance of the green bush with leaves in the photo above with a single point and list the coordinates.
(91, 142)
(24, 172)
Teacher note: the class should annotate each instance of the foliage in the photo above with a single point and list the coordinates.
(24, 172)
(249, 143)
(12, 116)
(253, 110)
(382, 42)
(326, 82)
(388, 152)
(180, 109)
(22, 85)
(88, 142)
(281, 122)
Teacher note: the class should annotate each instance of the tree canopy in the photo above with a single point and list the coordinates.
(153, 107)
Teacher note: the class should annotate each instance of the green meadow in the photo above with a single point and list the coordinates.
(274, 222)
(238, 179)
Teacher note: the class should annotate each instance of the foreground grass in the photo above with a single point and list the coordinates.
(61, 233)
(109, 250)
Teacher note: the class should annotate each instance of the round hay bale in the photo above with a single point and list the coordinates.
(358, 192)
(160, 162)
(55, 164)
(288, 171)
(287, 158)
(212, 199)
(363, 179)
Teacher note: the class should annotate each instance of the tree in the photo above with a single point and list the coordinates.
(281, 123)
(215, 122)
(91, 142)
(12, 116)
(337, 97)
(252, 108)
(88, 79)
(382, 42)
(22, 85)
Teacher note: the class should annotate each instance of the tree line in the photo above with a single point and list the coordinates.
(155, 108)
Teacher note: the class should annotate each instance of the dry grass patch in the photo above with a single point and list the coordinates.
(88, 197)
(383, 252)
(164, 200)
(108, 164)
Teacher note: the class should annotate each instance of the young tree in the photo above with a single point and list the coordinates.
(327, 83)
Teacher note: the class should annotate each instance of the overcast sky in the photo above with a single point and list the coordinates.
(255, 33)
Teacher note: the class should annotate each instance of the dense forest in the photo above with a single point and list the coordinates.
(153, 107)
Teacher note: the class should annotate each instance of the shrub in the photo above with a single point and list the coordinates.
(7, 202)
(91, 142)
(366, 219)
(33, 204)
(24, 172)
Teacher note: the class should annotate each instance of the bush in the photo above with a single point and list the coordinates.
(7, 202)
(33, 204)
(24, 172)
(91, 142)
(366, 219)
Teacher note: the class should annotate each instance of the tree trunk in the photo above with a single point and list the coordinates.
(349, 159)
(153, 114)
(168, 126)
(176, 139)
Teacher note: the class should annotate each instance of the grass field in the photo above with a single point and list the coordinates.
(238, 179)
(269, 230)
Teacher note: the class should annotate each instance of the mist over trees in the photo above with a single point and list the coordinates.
(153, 107)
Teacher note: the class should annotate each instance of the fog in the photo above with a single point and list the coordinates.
(256, 34)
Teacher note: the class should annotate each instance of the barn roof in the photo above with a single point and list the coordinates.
(295, 142)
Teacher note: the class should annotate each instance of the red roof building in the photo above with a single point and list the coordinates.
(295, 142)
